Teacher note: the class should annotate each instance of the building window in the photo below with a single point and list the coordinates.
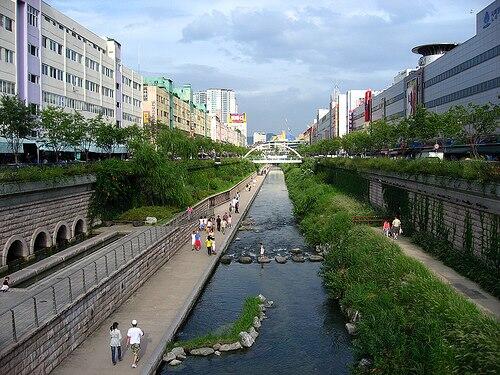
(33, 50)
(33, 78)
(94, 65)
(73, 55)
(107, 72)
(33, 16)
(6, 22)
(7, 87)
(92, 86)
(7, 55)
(52, 72)
(53, 45)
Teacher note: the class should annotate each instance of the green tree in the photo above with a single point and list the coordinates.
(16, 122)
(480, 123)
(357, 142)
(108, 135)
(57, 129)
(382, 135)
(84, 132)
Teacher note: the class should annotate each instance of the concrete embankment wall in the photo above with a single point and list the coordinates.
(41, 350)
(42, 213)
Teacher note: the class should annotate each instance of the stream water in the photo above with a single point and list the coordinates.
(303, 334)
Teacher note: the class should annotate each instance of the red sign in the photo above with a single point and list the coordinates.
(368, 106)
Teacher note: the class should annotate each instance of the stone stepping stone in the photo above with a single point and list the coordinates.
(298, 259)
(264, 259)
(296, 251)
(280, 259)
(244, 260)
(316, 258)
(202, 351)
(226, 259)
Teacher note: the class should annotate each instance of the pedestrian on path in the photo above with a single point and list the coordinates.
(134, 335)
(5, 285)
(202, 223)
(208, 244)
(386, 227)
(237, 207)
(193, 240)
(209, 225)
(218, 221)
(223, 226)
(396, 227)
(212, 238)
(189, 212)
(224, 217)
(262, 250)
(115, 343)
(197, 241)
(229, 221)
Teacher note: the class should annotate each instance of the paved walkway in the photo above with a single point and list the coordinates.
(156, 305)
(461, 284)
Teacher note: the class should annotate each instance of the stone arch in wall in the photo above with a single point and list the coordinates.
(40, 239)
(79, 226)
(15, 248)
(61, 234)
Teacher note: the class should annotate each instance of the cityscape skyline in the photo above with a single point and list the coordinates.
(288, 62)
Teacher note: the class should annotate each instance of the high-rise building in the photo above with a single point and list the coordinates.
(220, 102)
(259, 137)
(49, 59)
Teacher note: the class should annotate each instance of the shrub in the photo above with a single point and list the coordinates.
(162, 213)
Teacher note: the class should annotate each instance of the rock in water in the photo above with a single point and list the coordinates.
(217, 352)
(169, 357)
(296, 251)
(315, 258)
(229, 347)
(262, 298)
(263, 259)
(280, 259)
(216, 346)
(298, 258)
(351, 328)
(256, 322)
(202, 351)
(225, 259)
(244, 260)
(252, 332)
(175, 362)
(246, 340)
(268, 304)
(178, 350)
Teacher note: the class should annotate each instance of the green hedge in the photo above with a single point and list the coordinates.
(475, 170)
(162, 213)
(411, 322)
(45, 173)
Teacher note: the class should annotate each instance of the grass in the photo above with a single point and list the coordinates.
(162, 213)
(44, 173)
(250, 310)
(411, 322)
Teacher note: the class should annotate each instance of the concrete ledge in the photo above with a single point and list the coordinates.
(12, 188)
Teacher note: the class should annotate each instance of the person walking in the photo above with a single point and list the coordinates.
(202, 223)
(237, 207)
(134, 336)
(218, 222)
(262, 250)
(212, 238)
(209, 225)
(197, 241)
(229, 221)
(193, 240)
(223, 226)
(5, 284)
(386, 227)
(115, 343)
(189, 212)
(396, 227)
(208, 244)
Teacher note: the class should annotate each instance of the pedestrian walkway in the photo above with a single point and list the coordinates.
(461, 284)
(157, 304)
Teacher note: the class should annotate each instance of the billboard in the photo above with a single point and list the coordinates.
(145, 117)
(368, 105)
(237, 118)
(411, 97)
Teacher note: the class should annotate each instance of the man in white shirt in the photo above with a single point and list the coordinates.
(134, 335)
(396, 227)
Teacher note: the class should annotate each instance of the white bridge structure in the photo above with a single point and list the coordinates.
(274, 153)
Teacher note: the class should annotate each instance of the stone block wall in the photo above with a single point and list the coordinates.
(32, 209)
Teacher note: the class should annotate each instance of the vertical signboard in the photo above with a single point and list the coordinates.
(368, 106)
(411, 97)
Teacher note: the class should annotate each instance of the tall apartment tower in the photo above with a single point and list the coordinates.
(219, 102)
(49, 59)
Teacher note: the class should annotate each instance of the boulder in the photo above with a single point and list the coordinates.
(262, 298)
(263, 259)
(151, 220)
(178, 350)
(268, 304)
(246, 340)
(175, 362)
(181, 357)
(351, 328)
(252, 332)
(262, 316)
(298, 259)
(262, 307)
(217, 352)
(229, 347)
(216, 346)
(296, 251)
(169, 357)
(225, 259)
(202, 351)
(280, 259)
(244, 259)
(352, 315)
(256, 322)
(315, 258)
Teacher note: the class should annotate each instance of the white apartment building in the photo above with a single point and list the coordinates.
(220, 102)
(49, 59)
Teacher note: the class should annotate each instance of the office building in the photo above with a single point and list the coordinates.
(259, 137)
(49, 59)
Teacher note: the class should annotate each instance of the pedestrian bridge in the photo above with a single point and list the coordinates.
(273, 153)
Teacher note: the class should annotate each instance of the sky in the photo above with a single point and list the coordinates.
(282, 57)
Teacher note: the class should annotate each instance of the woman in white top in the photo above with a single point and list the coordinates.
(115, 343)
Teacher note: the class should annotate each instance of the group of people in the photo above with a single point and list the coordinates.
(134, 335)
(210, 225)
(392, 229)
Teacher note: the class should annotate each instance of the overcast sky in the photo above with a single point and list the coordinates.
(282, 57)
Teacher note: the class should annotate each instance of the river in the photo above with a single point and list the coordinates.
(303, 334)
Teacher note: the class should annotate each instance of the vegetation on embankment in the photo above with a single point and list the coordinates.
(411, 322)
(475, 170)
(150, 179)
(251, 309)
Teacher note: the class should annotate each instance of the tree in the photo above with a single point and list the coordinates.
(357, 142)
(57, 129)
(108, 135)
(84, 132)
(480, 123)
(16, 122)
(382, 135)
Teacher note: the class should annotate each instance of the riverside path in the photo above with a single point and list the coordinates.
(159, 306)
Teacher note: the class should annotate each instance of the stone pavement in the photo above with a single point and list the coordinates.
(461, 284)
(158, 305)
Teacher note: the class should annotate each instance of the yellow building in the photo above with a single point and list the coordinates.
(155, 105)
